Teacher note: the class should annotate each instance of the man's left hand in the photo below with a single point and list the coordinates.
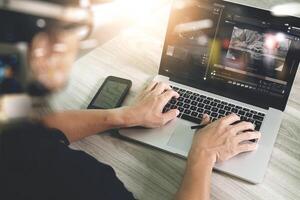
(150, 104)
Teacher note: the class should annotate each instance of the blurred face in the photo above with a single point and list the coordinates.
(51, 56)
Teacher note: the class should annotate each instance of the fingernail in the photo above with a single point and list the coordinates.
(177, 113)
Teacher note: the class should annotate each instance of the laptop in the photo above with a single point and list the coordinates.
(223, 58)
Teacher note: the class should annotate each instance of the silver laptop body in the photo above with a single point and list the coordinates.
(233, 59)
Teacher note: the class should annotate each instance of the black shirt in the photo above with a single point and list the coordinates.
(36, 163)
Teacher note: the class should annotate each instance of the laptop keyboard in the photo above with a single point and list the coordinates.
(192, 106)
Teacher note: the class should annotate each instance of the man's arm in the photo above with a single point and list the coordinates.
(146, 112)
(79, 124)
(196, 181)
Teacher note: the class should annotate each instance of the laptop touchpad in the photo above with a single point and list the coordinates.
(182, 137)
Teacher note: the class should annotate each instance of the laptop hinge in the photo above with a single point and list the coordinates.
(161, 78)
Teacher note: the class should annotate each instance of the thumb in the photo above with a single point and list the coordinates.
(205, 119)
(170, 115)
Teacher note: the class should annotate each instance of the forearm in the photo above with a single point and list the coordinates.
(79, 124)
(196, 180)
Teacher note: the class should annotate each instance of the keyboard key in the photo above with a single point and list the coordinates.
(175, 88)
(246, 109)
(231, 105)
(193, 108)
(206, 101)
(222, 112)
(234, 110)
(173, 101)
(200, 110)
(261, 114)
(213, 104)
(241, 112)
(186, 106)
(187, 112)
(199, 99)
(200, 116)
(181, 109)
(192, 97)
(207, 107)
(209, 98)
(243, 118)
(257, 125)
(207, 112)
(201, 105)
(194, 103)
(220, 106)
(238, 107)
(180, 99)
(179, 104)
(195, 114)
(214, 114)
(227, 108)
(187, 101)
(228, 113)
(217, 101)
(191, 119)
(259, 118)
(186, 95)
(249, 114)
(254, 112)
(224, 103)
(214, 109)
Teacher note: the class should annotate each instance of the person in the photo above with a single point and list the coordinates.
(37, 163)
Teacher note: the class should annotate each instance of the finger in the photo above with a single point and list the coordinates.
(161, 87)
(229, 119)
(247, 136)
(168, 95)
(170, 115)
(250, 146)
(205, 119)
(242, 126)
(151, 86)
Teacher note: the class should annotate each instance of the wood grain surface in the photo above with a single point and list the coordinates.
(135, 53)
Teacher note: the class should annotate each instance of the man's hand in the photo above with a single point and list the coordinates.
(216, 142)
(221, 140)
(149, 106)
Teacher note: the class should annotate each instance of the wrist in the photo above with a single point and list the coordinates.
(201, 159)
(129, 117)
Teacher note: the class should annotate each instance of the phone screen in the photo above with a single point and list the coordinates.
(110, 95)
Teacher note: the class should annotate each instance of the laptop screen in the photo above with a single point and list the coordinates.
(233, 50)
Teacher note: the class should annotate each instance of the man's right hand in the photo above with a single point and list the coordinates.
(217, 142)
(221, 140)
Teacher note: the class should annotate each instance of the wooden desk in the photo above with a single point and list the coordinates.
(149, 173)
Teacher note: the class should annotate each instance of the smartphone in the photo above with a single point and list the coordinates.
(111, 93)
